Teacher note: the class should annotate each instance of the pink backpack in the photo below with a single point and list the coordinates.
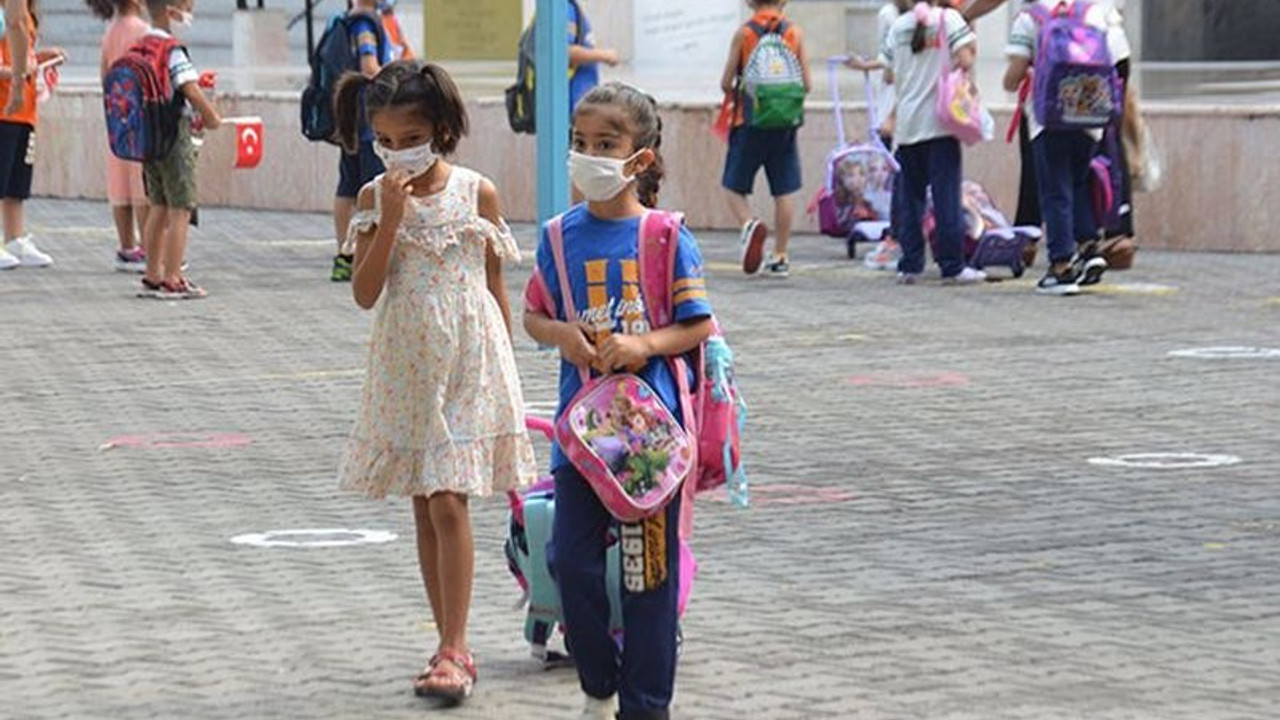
(713, 409)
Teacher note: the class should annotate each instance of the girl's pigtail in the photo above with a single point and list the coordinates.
(347, 109)
(922, 25)
(649, 182)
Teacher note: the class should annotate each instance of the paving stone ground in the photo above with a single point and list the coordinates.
(929, 539)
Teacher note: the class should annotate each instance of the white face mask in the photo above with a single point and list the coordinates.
(414, 161)
(599, 178)
(185, 18)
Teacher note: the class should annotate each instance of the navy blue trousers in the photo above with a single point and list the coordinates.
(643, 671)
(1063, 173)
(932, 165)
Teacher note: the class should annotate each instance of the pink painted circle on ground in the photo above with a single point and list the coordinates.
(909, 380)
(788, 494)
(180, 441)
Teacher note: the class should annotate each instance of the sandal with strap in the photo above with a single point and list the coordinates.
(453, 678)
(422, 683)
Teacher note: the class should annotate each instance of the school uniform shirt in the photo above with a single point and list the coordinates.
(1024, 39)
(915, 76)
(584, 77)
(602, 262)
(181, 69)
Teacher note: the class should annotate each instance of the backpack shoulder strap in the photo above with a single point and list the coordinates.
(555, 233)
(659, 240)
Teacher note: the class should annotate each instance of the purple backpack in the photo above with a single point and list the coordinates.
(1076, 84)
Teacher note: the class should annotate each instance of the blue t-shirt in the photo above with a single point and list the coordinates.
(361, 24)
(602, 261)
(585, 77)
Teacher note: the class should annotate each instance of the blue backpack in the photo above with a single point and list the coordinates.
(335, 55)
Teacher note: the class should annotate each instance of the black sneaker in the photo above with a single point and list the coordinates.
(342, 268)
(1066, 282)
(1090, 269)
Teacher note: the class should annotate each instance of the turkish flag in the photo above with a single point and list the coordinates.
(248, 142)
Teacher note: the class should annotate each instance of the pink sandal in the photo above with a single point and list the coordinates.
(451, 677)
(422, 683)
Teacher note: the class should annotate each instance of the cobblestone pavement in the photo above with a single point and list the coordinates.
(928, 539)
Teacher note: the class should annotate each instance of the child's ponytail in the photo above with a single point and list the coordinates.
(347, 109)
(649, 182)
(919, 37)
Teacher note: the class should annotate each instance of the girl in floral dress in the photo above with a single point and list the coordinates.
(441, 419)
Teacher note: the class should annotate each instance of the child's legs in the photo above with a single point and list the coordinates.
(153, 240)
(578, 539)
(782, 167)
(15, 219)
(451, 520)
(944, 179)
(1084, 222)
(741, 164)
(651, 620)
(343, 210)
(784, 212)
(124, 218)
(1056, 178)
(912, 185)
(429, 559)
(174, 246)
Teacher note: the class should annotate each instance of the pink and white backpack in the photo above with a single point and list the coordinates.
(703, 455)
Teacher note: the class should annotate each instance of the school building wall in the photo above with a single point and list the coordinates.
(1219, 167)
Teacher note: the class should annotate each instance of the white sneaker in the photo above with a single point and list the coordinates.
(7, 260)
(27, 253)
(606, 709)
(967, 276)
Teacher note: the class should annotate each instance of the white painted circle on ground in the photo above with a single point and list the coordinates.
(1167, 461)
(314, 538)
(1229, 352)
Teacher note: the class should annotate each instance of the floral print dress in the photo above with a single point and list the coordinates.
(442, 407)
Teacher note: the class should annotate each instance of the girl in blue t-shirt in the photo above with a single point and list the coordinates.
(616, 166)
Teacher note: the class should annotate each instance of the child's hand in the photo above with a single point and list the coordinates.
(609, 57)
(576, 346)
(396, 191)
(629, 353)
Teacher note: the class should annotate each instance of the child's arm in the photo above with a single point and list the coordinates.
(373, 247)
(632, 352)
(491, 210)
(730, 76)
(583, 55)
(980, 8)
(15, 16)
(198, 100)
(571, 339)
(1017, 71)
(804, 61)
